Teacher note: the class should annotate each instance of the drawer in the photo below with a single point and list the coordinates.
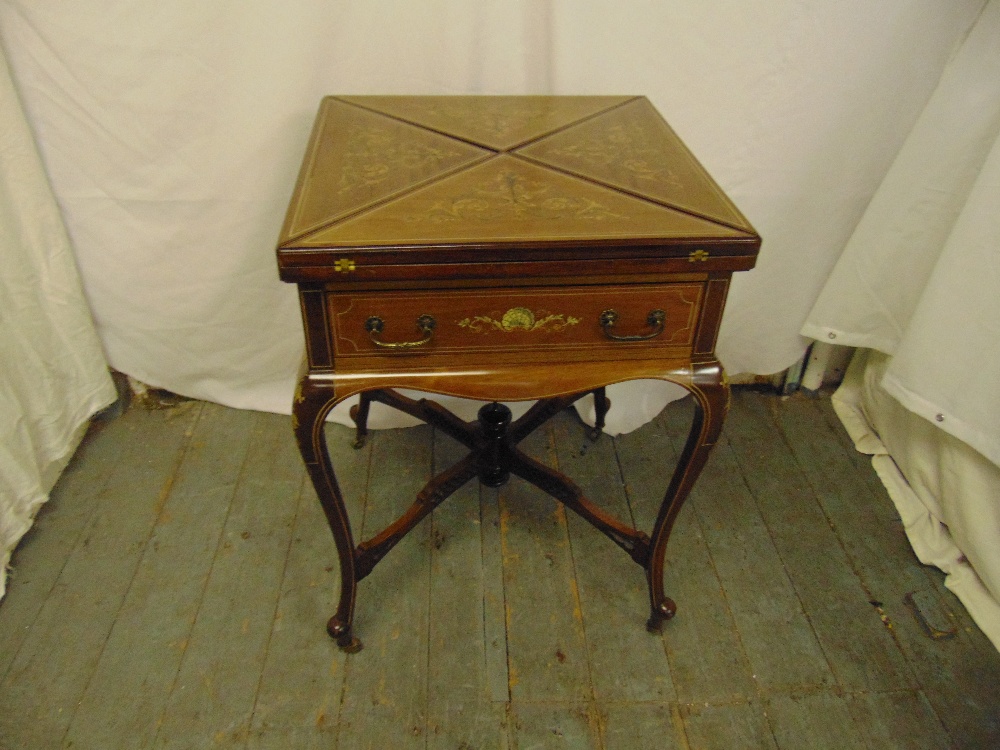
(526, 324)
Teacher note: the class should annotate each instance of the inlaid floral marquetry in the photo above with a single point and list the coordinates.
(364, 158)
(519, 319)
(394, 173)
(496, 122)
(632, 147)
(511, 194)
(509, 198)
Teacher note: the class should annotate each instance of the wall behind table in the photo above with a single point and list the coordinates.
(172, 133)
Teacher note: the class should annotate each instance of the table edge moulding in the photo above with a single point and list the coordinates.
(504, 248)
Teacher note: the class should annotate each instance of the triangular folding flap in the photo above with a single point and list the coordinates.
(508, 199)
(360, 158)
(496, 122)
(632, 148)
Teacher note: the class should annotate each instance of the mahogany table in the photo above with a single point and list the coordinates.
(507, 248)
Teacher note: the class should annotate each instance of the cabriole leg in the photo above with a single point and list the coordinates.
(708, 385)
(312, 403)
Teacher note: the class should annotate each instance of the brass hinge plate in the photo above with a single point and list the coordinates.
(344, 265)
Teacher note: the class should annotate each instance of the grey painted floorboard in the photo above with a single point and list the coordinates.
(303, 678)
(547, 649)
(775, 631)
(49, 675)
(819, 721)
(460, 711)
(163, 599)
(174, 594)
(385, 694)
(706, 656)
(213, 694)
(864, 656)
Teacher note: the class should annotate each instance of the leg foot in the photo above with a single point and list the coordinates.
(601, 406)
(359, 414)
(665, 611)
(342, 635)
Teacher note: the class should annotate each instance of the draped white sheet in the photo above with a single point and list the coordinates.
(172, 133)
(920, 282)
(52, 371)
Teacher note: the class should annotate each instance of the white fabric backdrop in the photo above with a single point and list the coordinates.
(920, 277)
(920, 281)
(52, 373)
(172, 133)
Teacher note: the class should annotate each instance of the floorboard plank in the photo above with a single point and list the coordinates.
(731, 726)
(385, 698)
(122, 704)
(545, 726)
(546, 643)
(861, 513)
(626, 662)
(494, 598)
(819, 721)
(776, 635)
(303, 678)
(36, 566)
(861, 651)
(706, 656)
(959, 681)
(293, 738)
(460, 711)
(642, 726)
(46, 680)
(216, 686)
(955, 674)
(898, 721)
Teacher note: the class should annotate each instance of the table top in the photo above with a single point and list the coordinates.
(415, 178)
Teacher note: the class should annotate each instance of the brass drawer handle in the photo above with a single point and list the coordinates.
(656, 319)
(375, 325)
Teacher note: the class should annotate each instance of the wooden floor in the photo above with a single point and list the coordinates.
(174, 594)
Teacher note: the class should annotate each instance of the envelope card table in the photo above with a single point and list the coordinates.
(509, 248)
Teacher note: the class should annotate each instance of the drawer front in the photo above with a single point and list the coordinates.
(532, 324)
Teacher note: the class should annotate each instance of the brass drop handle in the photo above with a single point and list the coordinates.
(656, 319)
(375, 325)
